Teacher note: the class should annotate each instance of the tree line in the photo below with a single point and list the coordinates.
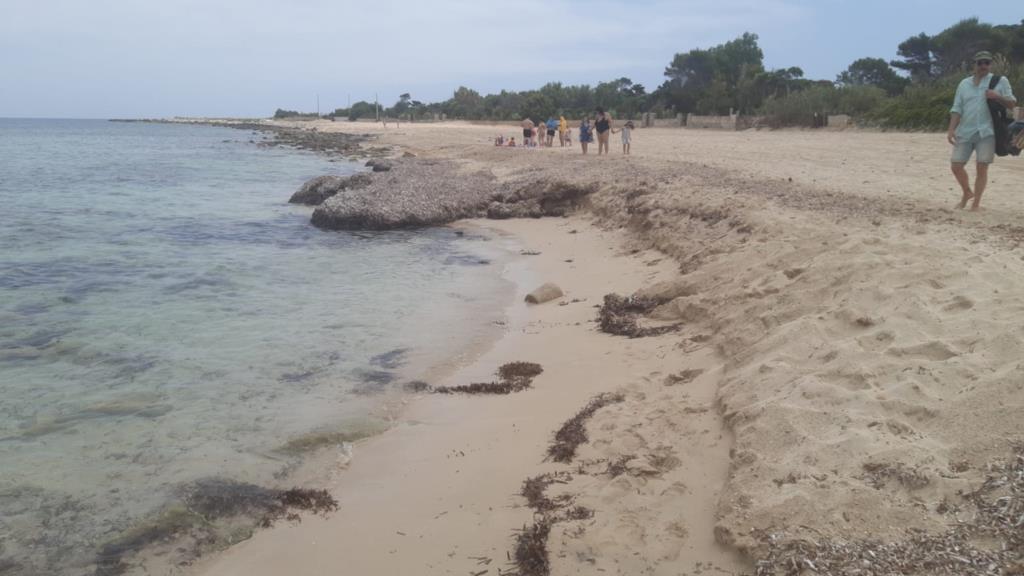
(913, 91)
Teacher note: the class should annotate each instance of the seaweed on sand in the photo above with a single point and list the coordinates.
(619, 315)
(574, 431)
(531, 554)
(202, 504)
(534, 491)
(531, 557)
(512, 377)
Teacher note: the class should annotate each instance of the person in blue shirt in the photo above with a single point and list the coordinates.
(970, 126)
(552, 125)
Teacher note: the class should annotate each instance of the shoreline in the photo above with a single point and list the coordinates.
(854, 354)
(386, 525)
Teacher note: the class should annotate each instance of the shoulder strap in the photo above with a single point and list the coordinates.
(994, 82)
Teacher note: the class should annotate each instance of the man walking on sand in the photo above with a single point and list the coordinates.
(970, 126)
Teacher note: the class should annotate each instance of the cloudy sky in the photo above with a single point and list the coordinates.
(149, 58)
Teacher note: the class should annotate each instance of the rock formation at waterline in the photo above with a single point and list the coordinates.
(417, 193)
(316, 190)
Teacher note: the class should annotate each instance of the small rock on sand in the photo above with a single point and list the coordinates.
(545, 293)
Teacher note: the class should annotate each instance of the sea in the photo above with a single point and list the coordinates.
(166, 317)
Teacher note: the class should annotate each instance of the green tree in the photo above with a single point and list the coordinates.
(710, 81)
(954, 47)
(873, 72)
(537, 106)
(464, 103)
(916, 58)
(362, 109)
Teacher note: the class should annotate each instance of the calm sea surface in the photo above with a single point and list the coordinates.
(166, 316)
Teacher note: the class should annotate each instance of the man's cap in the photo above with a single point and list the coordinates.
(983, 55)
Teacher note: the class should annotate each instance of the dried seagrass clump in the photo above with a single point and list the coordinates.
(531, 554)
(512, 377)
(620, 315)
(574, 431)
(531, 557)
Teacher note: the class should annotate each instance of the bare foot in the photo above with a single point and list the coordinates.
(963, 201)
(976, 208)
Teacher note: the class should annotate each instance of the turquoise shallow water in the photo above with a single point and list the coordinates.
(165, 316)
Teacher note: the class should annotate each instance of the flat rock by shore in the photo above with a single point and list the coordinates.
(417, 192)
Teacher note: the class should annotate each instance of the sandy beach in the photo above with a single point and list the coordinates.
(842, 389)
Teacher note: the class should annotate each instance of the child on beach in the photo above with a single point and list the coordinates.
(627, 135)
(568, 135)
(563, 126)
(585, 136)
(512, 142)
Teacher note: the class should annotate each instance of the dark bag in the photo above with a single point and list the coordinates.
(1000, 122)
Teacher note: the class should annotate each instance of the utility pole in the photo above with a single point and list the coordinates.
(317, 104)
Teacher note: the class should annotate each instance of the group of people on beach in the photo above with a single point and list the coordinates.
(542, 134)
(973, 128)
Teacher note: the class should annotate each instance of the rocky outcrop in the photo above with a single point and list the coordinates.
(379, 165)
(413, 193)
(315, 191)
(416, 192)
(551, 198)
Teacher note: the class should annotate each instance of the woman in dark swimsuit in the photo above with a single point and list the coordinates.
(603, 126)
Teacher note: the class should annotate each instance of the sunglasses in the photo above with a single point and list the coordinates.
(984, 62)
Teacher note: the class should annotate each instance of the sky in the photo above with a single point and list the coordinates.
(162, 58)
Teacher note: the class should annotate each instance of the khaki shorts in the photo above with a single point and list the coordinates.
(984, 149)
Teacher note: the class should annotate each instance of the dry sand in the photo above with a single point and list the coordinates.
(854, 343)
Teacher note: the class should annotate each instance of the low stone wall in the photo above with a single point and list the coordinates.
(839, 121)
(716, 122)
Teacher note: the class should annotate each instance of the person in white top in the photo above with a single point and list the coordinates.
(970, 126)
(627, 135)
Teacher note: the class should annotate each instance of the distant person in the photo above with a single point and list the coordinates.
(603, 125)
(512, 142)
(971, 129)
(627, 135)
(568, 135)
(562, 127)
(585, 134)
(527, 131)
(552, 126)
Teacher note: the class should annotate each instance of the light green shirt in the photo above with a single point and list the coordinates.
(972, 106)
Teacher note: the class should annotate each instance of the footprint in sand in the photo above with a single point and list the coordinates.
(959, 303)
(933, 350)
